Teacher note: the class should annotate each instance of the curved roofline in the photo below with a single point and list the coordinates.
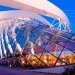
(43, 7)
(15, 13)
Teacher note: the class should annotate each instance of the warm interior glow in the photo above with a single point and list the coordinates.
(23, 62)
(10, 65)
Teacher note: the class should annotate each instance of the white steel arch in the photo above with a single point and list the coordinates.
(21, 13)
(43, 7)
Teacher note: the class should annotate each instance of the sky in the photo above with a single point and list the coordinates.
(68, 6)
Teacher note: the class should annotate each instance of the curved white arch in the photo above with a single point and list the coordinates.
(2, 43)
(0, 50)
(43, 7)
(14, 13)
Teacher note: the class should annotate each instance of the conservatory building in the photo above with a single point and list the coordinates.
(29, 40)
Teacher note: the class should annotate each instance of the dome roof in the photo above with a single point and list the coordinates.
(50, 46)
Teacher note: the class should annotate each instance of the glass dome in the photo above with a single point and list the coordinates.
(35, 44)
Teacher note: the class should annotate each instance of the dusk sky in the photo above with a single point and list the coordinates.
(68, 6)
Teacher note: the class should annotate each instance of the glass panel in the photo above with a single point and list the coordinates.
(37, 31)
(67, 56)
(10, 40)
(54, 49)
(59, 63)
(22, 61)
(25, 52)
(43, 26)
(16, 30)
(26, 34)
(61, 41)
(22, 41)
(38, 50)
(32, 28)
(47, 35)
(26, 46)
(18, 38)
(13, 45)
(73, 38)
(32, 59)
(42, 55)
(54, 31)
(21, 32)
(66, 35)
(51, 60)
(71, 45)
(23, 27)
(42, 42)
(46, 60)
(33, 37)
(49, 47)
(39, 59)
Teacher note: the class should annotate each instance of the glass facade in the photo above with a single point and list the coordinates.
(41, 46)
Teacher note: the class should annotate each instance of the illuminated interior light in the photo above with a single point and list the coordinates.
(23, 62)
(10, 65)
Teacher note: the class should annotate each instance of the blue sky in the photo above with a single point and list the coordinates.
(68, 6)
